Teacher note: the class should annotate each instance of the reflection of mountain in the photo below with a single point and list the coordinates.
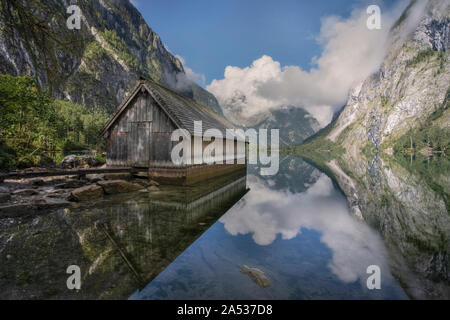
(407, 201)
(294, 175)
(402, 108)
(306, 243)
(119, 244)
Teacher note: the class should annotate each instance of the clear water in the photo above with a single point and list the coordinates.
(296, 228)
(191, 243)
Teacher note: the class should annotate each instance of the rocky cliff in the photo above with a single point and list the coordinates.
(96, 65)
(409, 91)
(403, 195)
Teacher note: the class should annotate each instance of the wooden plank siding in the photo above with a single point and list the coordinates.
(141, 135)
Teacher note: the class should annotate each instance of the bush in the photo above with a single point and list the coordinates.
(32, 124)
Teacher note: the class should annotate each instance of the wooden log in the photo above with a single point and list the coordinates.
(66, 172)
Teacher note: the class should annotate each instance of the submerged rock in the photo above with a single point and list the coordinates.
(25, 192)
(119, 186)
(154, 183)
(256, 275)
(16, 210)
(87, 193)
(95, 177)
(4, 197)
(70, 184)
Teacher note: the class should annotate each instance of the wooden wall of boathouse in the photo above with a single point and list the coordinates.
(141, 135)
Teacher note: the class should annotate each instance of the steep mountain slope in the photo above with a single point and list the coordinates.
(95, 66)
(410, 90)
(401, 110)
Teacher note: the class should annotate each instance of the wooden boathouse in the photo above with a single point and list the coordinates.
(138, 135)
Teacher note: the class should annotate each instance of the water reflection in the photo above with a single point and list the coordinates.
(120, 243)
(406, 199)
(296, 228)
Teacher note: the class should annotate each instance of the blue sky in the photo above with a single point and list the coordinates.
(211, 35)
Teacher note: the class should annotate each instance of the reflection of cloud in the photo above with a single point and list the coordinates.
(268, 213)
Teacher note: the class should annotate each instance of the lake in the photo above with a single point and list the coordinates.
(295, 228)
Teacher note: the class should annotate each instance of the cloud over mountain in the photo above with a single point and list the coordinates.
(351, 52)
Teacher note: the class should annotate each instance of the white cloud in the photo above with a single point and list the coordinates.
(351, 52)
(190, 74)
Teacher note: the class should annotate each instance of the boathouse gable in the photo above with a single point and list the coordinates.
(139, 132)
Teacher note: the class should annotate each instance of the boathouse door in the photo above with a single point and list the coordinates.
(140, 145)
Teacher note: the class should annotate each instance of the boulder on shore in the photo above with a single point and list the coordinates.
(74, 161)
(119, 186)
(87, 193)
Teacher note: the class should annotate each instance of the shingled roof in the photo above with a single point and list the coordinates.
(180, 109)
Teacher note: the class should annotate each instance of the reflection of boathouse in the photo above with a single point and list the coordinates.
(139, 135)
(120, 244)
(149, 235)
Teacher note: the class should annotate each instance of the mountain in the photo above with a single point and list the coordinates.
(95, 66)
(410, 91)
(295, 124)
(388, 149)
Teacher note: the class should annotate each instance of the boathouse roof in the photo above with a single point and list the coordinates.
(180, 109)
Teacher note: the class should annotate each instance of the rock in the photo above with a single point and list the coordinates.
(25, 192)
(58, 193)
(154, 183)
(256, 275)
(119, 186)
(16, 210)
(95, 177)
(141, 175)
(87, 193)
(4, 190)
(4, 197)
(142, 182)
(36, 182)
(70, 184)
(85, 161)
(152, 189)
(117, 176)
